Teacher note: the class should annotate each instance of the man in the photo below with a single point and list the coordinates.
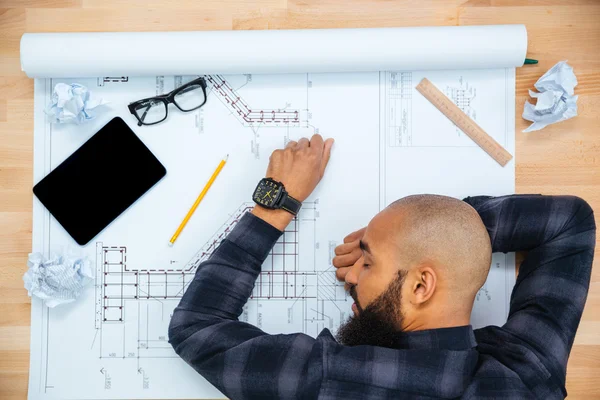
(413, 272)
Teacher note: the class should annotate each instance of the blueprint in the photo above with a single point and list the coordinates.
(112, 343)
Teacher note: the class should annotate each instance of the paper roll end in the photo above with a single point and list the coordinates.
(21, 52)
(24, 44)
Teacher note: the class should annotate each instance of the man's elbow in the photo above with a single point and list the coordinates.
(190, 334)
(581, 225)
(196, 340)
(177, 327)
(583, 215)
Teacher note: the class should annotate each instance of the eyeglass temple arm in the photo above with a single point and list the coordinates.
(143, 117)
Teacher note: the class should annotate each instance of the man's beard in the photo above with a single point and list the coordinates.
(379, 323)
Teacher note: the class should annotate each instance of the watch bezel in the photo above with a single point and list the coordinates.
(277, 201)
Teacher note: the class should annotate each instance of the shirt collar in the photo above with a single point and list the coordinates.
(455, 338)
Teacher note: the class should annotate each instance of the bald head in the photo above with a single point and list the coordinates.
(422, 261)
(446, 233)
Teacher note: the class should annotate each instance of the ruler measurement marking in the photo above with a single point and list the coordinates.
(463, 122)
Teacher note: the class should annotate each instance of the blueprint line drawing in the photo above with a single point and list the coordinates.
(245, 113)
(111, 79)
(392, 141)
(483, 294)
(399, 102)
(139, 293)
(399, 92)
(463, 95)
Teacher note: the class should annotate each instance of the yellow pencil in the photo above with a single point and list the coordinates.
(198, 200)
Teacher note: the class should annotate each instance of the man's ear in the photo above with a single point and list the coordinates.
(423, 284)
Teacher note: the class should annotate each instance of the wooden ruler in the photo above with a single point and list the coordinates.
(462, 120)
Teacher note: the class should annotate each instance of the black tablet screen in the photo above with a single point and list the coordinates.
(99, 181)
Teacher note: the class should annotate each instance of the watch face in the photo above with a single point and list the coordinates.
(267, 193)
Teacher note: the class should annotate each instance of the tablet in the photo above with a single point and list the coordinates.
(99, 181)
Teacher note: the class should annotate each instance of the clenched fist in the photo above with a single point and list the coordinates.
(300, 167)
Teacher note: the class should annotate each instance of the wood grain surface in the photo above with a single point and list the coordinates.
(561, 159)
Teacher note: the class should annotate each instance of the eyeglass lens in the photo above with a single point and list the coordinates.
(151, 111)
(190, 97)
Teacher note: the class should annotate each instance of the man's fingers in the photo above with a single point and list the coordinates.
(275, 154)
(291, 144)
(316, 142)
(302, 143)
(357, 235)
(347, 260)
(326, 155)
(346, 248)
(340, 274)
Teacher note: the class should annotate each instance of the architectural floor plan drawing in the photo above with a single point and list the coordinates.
(249, 116)
(290, 284)
(112, 343)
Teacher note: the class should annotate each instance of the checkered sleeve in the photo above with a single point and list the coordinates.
(240, 359)
(558, 234)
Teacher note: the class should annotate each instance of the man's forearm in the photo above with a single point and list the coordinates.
(524, 222)
(558, 233)
(224, 282)
(239, 359)
(205, 330)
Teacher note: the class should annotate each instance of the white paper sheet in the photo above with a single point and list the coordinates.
(52, 55)
(390, 142)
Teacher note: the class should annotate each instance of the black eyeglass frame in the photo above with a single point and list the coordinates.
(167, 99)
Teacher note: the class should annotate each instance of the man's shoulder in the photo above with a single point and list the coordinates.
(380, 372)
(500, 364)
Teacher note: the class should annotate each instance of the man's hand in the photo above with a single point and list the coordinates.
(347, 254)
(300, 167)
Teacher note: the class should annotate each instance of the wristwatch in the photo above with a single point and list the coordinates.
(272, 195)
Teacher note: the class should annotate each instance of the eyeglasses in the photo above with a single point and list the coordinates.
(153, 110)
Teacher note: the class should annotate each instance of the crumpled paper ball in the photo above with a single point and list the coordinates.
(72, 104)
(57, 280)
(555, 101)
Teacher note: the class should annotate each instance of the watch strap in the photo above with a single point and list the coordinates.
(291, 205)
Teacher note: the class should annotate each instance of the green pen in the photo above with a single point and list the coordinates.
(529, 61)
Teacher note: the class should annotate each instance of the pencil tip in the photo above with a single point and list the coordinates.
(227, 157)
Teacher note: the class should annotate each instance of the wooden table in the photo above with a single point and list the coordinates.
(561, 159)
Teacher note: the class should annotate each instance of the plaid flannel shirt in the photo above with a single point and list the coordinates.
(525, 358)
